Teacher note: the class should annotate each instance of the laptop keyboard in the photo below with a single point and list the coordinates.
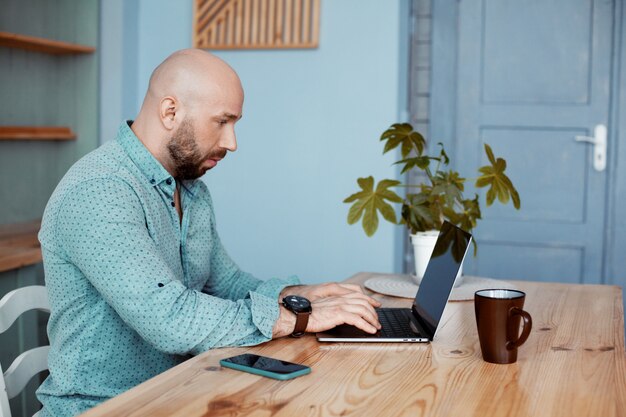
(394, 322)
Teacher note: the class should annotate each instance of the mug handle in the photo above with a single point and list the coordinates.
(528, 325)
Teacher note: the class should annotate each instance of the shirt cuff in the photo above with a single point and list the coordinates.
(265, 303)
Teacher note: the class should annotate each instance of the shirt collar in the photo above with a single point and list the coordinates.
(153, 170)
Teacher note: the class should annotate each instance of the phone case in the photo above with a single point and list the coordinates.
(261, 372)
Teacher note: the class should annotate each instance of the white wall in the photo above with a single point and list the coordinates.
(311, 124)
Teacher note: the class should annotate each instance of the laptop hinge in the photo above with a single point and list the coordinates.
(418, 328)
(416, 324)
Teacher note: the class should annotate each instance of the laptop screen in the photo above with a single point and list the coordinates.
(436, 285)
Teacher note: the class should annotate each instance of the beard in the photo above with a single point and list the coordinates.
(185, 154)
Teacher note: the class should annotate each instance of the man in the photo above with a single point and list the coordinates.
(136, 274)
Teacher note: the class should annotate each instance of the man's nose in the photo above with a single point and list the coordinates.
(229, 141)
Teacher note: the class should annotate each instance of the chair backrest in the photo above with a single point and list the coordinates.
(31, 362)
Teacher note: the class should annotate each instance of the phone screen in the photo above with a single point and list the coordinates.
(266, 364)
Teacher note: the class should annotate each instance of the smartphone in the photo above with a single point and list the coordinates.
(262, 365)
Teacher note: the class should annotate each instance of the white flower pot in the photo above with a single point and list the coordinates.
(423, 245)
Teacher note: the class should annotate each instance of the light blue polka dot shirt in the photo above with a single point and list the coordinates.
(133, 290)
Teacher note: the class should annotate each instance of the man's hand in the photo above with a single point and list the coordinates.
(353, 308)
(333, 304)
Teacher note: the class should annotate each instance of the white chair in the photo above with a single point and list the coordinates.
(31, 362)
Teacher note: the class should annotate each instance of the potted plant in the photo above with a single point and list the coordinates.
(426, 205)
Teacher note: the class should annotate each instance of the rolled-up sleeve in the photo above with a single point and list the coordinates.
(107, 239)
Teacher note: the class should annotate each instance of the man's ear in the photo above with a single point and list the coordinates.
(167, 112)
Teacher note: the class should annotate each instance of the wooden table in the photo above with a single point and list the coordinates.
(573, 364)
(19, 245)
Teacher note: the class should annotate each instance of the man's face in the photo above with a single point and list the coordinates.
(194, 149)
(207, 131)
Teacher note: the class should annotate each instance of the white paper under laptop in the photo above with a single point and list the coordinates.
(418, 323)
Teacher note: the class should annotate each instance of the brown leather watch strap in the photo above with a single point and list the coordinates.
(302, 320)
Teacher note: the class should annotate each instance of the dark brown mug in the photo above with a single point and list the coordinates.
(498, 316)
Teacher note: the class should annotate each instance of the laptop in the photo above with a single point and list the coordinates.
(418, 323)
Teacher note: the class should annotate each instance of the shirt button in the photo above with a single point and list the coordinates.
(168, 181)
(152, 181)
(173, 204)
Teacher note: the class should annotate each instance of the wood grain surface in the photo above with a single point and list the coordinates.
(573, 364)
(48, 46)
(256, 24)
(36, 133)
(19, 245)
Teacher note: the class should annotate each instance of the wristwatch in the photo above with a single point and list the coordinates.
(301, 307)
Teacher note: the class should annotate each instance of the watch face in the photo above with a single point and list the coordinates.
(297, 303)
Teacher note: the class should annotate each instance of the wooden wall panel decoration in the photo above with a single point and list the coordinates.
(256, 24)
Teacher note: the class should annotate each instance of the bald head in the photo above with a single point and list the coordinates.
(191, 75)
(193, 90)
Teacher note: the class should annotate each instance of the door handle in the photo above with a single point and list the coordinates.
(599, 146)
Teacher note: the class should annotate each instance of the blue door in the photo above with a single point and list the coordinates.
(529, 77)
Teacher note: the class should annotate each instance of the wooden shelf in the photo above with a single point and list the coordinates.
(19, 245)
(31, 43)
(36, 133)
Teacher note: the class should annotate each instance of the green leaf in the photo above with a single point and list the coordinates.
(467, 218)
(449, 192)
(367, 184)
(513, 191)
(403, 134)
(409, 163)
(489, 152)
(450, 185)
(471, 213)
(452, 216)
(500, 186)
(418, 141)
(503, 195)
(387, 211)
(421, 212)
(356, 211)
(370, 219)
(406, 147)
(491, 196)
(392, 144)
(423, 162)
(443, 155)
(354, 197)
(482, 182)
(386, 184)
(369, 202)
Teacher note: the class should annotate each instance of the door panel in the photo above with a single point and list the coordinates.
(545, 263)
(530, 76)
(526, 60)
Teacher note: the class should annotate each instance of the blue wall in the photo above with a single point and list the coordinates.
(311, 124)
(118, 64)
